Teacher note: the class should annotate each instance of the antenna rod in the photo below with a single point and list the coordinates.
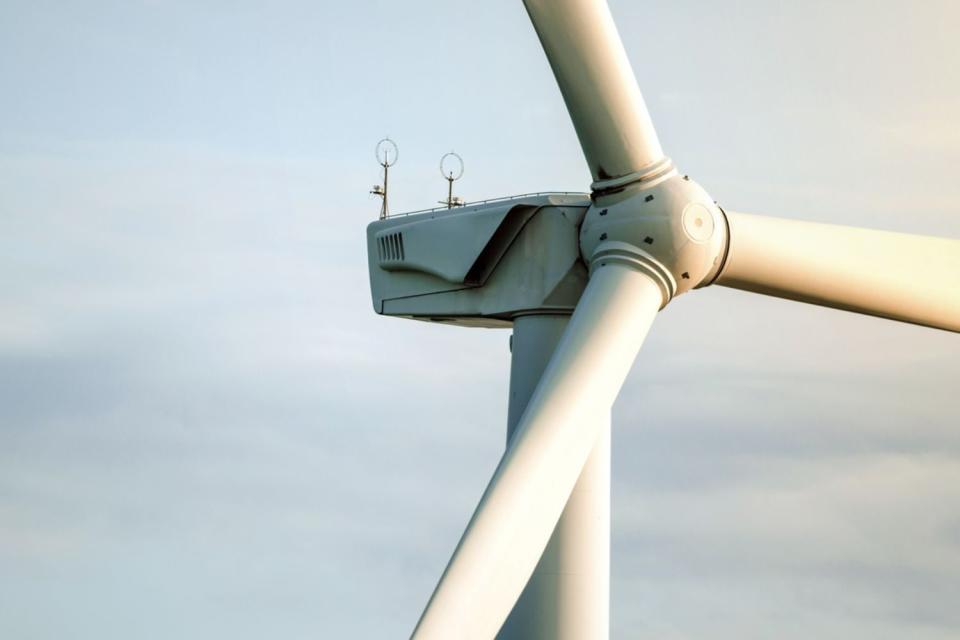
(383, 209)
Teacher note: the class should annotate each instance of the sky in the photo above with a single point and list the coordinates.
(205, 431)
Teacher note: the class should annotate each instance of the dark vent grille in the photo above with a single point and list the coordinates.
(390, 247)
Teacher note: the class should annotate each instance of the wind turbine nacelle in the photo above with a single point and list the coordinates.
(480, 265)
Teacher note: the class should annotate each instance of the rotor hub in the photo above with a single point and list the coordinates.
(668, 227)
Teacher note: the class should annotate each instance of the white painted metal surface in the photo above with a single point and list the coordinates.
(649, 224)
(598, 85)
(524, 500)
(893, 275)
(646, 234)
(567, 597)
(472, 266)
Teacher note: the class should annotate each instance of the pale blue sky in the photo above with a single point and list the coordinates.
(206, 432)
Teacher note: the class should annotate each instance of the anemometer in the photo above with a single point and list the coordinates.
(451, 168)
(387, 154)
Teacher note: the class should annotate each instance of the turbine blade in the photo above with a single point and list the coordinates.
(891, 275)
(516, 515)
(598, 85)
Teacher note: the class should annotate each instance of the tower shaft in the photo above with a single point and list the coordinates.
(568, 595)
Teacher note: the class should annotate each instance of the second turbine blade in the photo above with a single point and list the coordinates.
(558, 429)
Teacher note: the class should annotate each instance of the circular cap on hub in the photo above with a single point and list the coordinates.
(698, 222)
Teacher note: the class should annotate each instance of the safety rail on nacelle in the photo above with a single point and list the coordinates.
(492, 200)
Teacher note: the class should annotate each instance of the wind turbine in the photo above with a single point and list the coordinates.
(580, 278)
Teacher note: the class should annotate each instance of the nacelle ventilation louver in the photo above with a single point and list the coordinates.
(390, 247)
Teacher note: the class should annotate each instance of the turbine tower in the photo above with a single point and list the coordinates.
(580, 279)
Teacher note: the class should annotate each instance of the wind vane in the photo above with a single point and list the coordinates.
(451, 170)
(387, 154)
